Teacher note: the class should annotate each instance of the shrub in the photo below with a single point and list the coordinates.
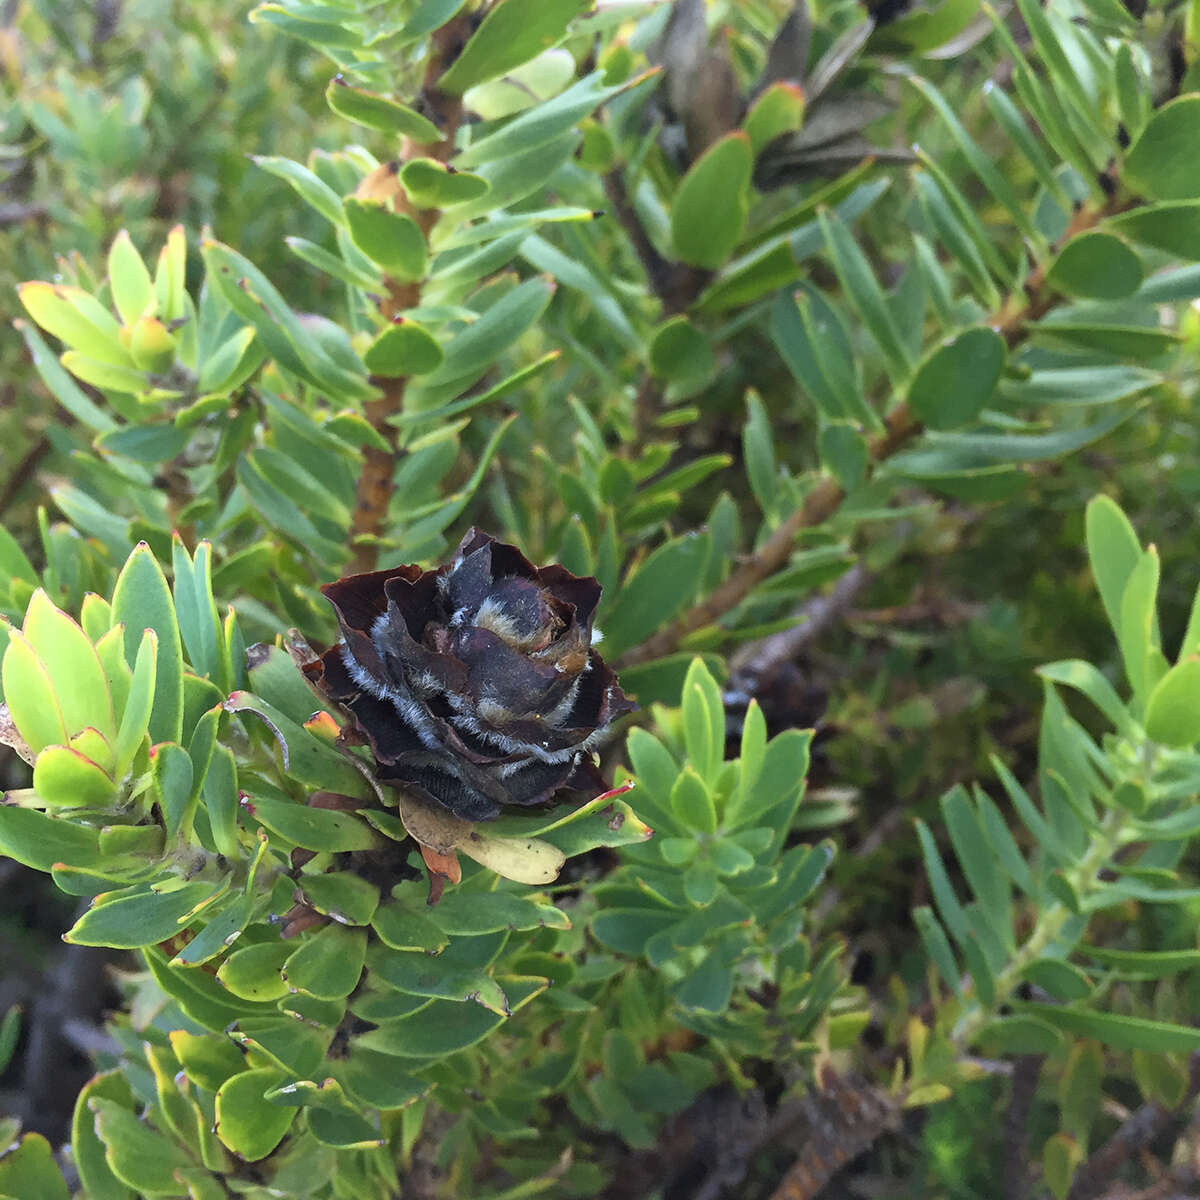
(664, 299)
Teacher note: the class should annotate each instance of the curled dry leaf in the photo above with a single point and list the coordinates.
(12, 739)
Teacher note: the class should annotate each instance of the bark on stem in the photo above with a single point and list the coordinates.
(377, 479)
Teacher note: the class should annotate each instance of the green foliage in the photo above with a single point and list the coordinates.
(1113, 828)
(640, 288)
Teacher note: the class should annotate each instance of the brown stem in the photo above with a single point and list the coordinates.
(377, 479)
(901, 426)
(819, 505)
(675, 284)
(1141, 1128)
(1026, 1069)
(23, 472)
(756, 661)
(843, 1117)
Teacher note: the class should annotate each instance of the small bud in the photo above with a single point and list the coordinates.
(152, 347)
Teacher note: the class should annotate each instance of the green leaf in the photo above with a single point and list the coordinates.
(110, 377)
(948, 906)
(937, 946)
(978, 861)
(61, 386)
(132, 287)
(431, 184)
(1137, 631)
(28, 1169)
(1173, 709)
(343, 895)
(510, 34)
(1118, 1031)
(661, 587)
(195, 606)
(152, 345)
(1143, 964)
(208, 1059)
(87, 1149)
(379, 112)
(328, 963)
(318, 829)
(295, 1046)
(402, 928)
(465, 913)
(252, 296)
(142, 600)
(138, 702)
(543, 122)
(64, 777)
(1018, 1035)
(1118, 341)
(751, 760)
(1060, 979)
(479, 345)
(29, 694)
(758, 449)
(143, 918)
(700, 883)
(373, 1078)
(1113, 550)
(981, 162)
(253, 971)
(404, 348)
(708, 212)
(703, 722)
(15, 565)
(844, 453)
(305, 756)
(858, 281)
(276, 678)
(325, 35)
(392, 240)
(1097, 266)
(955, 383)
(1173, 227)
(77, 320)
(39, 840)
(681, 354)
(780, 109)
(445, 1026)
(708, 988)
(692, 803)
(1160, 163)
(1060, 1156)
(420, 975)
(246, 1124)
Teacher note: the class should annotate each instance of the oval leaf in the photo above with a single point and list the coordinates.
(1173, 710)
(709, 209)
(1098, 266)
(1162, 162)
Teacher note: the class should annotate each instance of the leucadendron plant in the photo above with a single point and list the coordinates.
(406, 891)
(261, 844)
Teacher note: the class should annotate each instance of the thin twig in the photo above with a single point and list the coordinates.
(840, 1121)
(1141, 1128)
(755, 660)
(23, 472)
(1026, 1069)
(819, 505)
(674, 283)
